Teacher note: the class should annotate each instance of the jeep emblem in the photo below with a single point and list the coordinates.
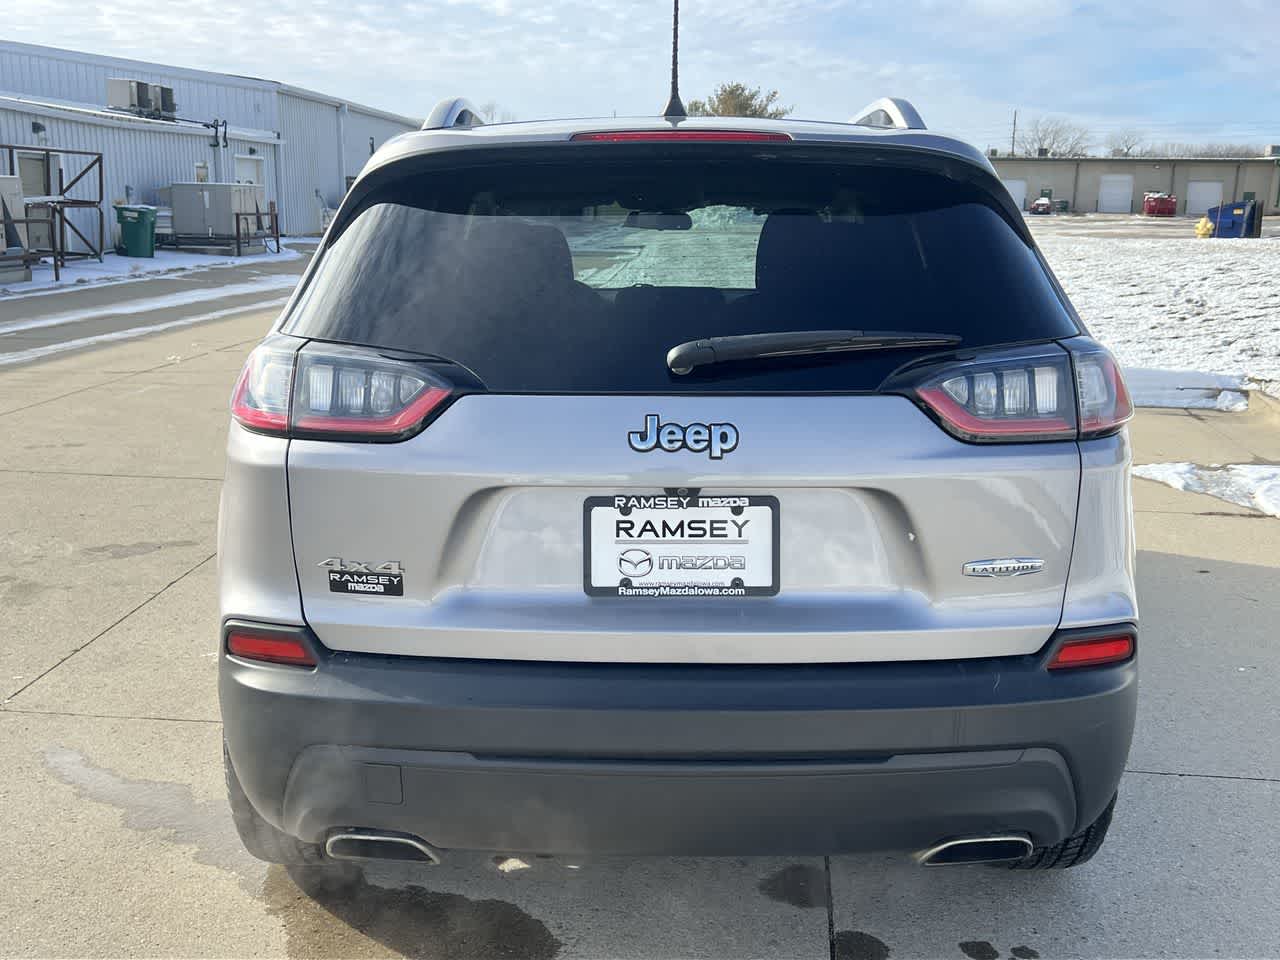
(713, 439)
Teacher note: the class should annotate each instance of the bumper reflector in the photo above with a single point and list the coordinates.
(1092, 652)
(270, 649)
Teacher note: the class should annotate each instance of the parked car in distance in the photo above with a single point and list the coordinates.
(1041, 206)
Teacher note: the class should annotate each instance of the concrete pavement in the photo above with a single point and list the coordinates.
(120, 843)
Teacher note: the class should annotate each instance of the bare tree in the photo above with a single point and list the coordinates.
(1053, 137)
(1123, 142)
(492, 112)
(739, 100)
(1203, 150)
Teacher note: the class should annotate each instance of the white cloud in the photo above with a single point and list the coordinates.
(967, 63)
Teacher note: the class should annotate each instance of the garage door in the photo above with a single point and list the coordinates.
(1115, 193)
(1018, 190)
(1201, 195)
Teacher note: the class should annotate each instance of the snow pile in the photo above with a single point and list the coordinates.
(118, 269)
(271, 282)
(1209, 305)
(1244, 484)
(1187, 389)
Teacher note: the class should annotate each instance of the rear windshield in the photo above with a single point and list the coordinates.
(563, 278)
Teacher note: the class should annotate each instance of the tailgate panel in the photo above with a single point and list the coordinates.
(879, 509)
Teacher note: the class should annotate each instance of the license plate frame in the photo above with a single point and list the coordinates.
(661, 580)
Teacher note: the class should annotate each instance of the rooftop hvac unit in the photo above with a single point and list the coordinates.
(131, 95)
(162, 100)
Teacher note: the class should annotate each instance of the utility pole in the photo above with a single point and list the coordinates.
(1013, 137)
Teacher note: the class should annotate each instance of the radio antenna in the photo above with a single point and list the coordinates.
(675, 109)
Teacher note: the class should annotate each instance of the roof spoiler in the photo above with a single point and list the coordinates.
(453, 112)
(892, 113)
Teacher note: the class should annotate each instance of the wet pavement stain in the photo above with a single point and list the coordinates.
(171, 807)
(856, 945)
(979, 950)
(125, 551)
(409, 920)
(1025, 953)
(331, 911)
(799, 885)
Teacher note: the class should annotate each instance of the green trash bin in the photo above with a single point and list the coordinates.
(137, 231)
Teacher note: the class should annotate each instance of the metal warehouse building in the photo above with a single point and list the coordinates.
(301, 146)
(1117, 184)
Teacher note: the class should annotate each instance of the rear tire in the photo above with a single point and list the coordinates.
(1072, 851)
(259, 837)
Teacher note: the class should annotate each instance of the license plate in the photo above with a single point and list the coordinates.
(680, 546)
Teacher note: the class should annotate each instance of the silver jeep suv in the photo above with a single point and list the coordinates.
(706, 487)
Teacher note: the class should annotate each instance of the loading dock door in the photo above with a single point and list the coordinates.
(1018, 190)
(1115, 193)
(1201, 195)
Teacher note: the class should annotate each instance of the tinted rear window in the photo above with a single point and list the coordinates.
(579, 277)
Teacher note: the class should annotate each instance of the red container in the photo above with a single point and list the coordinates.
(1159, 205)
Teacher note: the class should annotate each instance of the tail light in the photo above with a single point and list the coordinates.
(1092, 652)
(268, 647)
(1052, 392)
(324, 391)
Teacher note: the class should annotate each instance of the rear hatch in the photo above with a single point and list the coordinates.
(493, 459)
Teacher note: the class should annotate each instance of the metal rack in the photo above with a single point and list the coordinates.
(889, 113)
(453, 112)
(57, 204)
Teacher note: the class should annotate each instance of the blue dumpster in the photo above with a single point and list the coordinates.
(1234, 219)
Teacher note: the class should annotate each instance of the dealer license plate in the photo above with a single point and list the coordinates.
(680, 546)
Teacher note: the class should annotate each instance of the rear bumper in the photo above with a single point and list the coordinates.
(632, 759)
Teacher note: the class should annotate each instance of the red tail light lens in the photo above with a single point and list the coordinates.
(260, 400)
(1105, 405)
(1027, 394)
(344, 392)
(669, 136)
(1092, 652)
(269, 648)
(1016, 395)
(325, 391)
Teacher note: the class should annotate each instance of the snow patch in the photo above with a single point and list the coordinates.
(118, 269)
(1187, 389)
(1176, 303)
(39, 353)
(1244, 484)
(275, 281)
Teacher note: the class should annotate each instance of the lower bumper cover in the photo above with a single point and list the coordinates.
(598, 759)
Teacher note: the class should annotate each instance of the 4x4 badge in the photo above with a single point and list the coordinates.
(355, 576)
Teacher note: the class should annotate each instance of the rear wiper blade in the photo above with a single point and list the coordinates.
(683, 357)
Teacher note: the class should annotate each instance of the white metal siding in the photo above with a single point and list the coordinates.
(82, 79)
(1115, 193)
(144, 159)
(307, 156)
(359, 128)
(310, 132)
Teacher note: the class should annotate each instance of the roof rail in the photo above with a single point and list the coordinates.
(453, 112)
(894, 113)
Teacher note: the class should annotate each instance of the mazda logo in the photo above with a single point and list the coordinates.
(635, 563)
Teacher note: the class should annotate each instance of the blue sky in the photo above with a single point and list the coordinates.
(1177, 69)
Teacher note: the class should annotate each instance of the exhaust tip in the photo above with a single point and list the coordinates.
(993, 849)
(358, 844)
